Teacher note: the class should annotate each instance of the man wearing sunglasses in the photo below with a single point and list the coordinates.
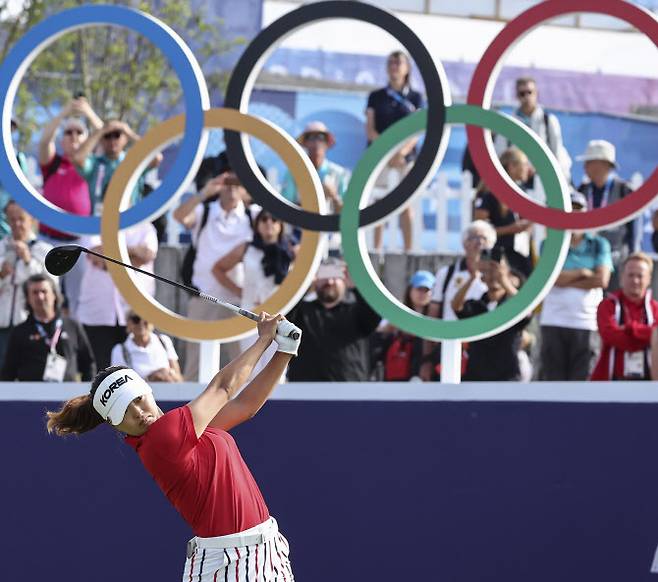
(62, 185)
(544, 124)
(97, 170)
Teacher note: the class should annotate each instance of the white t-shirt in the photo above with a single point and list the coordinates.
(221, 234)
(572, 308)
(258, 287)
(147, 359)
(459, 276)
(100, 302)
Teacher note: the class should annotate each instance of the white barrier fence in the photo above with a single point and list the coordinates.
(575, 392)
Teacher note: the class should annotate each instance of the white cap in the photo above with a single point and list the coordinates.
(116, 392)
(599, 149)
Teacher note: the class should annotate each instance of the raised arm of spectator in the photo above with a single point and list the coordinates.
(207, 406)
(89, 145)
(83, 107)
(185, 214)
(366, 317)
(47, 141)
(132, 136)
(631, 337)
(141, 254)
(221, 268)
(459, 299)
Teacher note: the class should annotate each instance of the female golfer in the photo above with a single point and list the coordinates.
(195, 461)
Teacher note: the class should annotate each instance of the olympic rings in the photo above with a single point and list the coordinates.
(480, 92)
(291, 289)
(435, 119)
(244, 76)
(550, 264)
(196, 100)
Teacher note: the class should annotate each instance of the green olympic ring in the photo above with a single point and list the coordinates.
(554, 250)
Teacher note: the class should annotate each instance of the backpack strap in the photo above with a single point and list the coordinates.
(159, 336)
(52, 169)
(446, 282)
(204, 220)
(548, 133)
(126, 355)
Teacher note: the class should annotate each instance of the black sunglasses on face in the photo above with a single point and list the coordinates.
(73, 131)
(136, 319)
(112, 135)
(524, 93)
(316, 137)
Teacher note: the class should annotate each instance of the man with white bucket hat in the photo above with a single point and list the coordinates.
(603, 187)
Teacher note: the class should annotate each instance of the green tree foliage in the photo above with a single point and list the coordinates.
(121, 73)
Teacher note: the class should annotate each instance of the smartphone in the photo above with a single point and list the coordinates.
(79, 95)
(496, 254)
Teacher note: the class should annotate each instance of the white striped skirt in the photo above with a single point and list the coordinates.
(259, 554)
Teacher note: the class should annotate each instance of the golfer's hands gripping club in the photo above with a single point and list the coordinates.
(288, 337)
(268, 326)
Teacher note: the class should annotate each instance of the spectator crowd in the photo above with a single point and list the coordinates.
(597, 322)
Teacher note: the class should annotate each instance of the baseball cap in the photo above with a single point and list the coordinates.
(116, 392)
(422, 279)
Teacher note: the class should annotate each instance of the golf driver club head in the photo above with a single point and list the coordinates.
(60, 260)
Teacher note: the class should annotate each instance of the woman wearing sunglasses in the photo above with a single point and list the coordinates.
(150, 353)
(62, 184)
(266, 261)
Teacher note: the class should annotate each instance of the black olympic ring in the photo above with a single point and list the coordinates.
(251, 62)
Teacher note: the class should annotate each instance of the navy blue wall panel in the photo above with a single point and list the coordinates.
(452, 492)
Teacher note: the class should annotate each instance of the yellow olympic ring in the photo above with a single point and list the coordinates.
(303, 269)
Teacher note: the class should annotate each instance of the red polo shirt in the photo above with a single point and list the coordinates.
(205, 478)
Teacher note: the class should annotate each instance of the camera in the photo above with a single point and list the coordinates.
(496, 254)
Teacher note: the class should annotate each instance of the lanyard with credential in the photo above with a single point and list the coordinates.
(606, 193)
(401, 99)
(51, 343)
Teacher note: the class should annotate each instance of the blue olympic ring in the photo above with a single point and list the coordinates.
(196, 99)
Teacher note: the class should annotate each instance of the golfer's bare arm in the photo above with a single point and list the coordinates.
(229, 379)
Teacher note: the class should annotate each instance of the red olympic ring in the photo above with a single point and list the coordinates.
(480, 93)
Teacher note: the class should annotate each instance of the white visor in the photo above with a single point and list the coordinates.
(116, 392)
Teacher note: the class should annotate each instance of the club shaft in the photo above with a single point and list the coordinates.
(244, 312)
(143, 272)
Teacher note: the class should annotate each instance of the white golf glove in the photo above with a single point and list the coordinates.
(287, 344)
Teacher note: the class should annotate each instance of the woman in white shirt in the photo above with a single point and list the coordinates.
(266, 261)
(151, 354)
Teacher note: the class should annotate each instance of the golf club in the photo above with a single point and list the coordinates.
(60, 260)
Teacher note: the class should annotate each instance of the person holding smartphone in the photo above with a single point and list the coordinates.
(495, 358)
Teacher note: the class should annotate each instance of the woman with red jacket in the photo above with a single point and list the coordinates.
(626, 319)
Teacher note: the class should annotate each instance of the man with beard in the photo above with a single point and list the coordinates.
(336, 330)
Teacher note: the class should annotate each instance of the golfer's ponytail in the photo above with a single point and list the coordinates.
(78, 415)
(74, 417)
